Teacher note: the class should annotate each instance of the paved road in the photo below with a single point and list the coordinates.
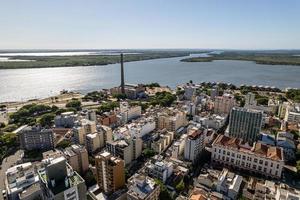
(7, 163)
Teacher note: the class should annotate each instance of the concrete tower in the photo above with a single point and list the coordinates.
(122, 75)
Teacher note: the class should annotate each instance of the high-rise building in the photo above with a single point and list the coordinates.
(223, 104)
(194, 144)
(60, 182)
(250, 99)
(35, 137)
(96, 141)
(245, 124)
(128, 150)
(77, 157)
(110, 174)
(85, 127)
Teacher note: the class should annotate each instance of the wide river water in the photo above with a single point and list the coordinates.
(24, 84)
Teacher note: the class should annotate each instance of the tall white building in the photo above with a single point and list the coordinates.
(194, 144)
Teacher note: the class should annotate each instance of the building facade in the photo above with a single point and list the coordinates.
(259, 158)
(245, 124)
(110, 174)
(35, 137)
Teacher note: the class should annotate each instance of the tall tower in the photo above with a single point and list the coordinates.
(122, 75)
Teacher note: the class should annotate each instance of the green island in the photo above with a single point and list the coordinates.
(259, 57)
(86, 60)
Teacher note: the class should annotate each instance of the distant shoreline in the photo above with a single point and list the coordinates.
(258, 58)
(87, 60)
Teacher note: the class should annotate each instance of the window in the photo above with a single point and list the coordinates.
(271, 164)
(255, 160)
(244, 157)
(261, 162)
(228, 153)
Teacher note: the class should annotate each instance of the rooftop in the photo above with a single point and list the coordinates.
(258, 148)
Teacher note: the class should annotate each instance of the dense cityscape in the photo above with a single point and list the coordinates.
(143, 141)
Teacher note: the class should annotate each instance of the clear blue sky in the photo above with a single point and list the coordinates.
(234, 24)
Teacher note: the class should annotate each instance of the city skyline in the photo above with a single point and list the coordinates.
(150, 25)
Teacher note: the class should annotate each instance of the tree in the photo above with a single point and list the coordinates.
(106, 107)
(74, 104)
(120, 96)
(47, 119)
(180, 186)
(63, 144)
(89, 178)
(148, 152)
(164, 193)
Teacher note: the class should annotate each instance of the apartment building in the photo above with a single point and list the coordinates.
(77, 157)
(224, 104)
(245, 124)
(162, 140)
(84, 128)
(194, 144)
(65, 120)
(96, 141)
(141, 187)
(128, 150)
(259, 158)
(36, 138)
(110, 174)
(171, 119)
(178, 146)
(128, 112)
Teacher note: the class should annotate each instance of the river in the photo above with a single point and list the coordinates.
(24, 84)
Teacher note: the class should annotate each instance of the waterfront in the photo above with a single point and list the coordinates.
(24, 84)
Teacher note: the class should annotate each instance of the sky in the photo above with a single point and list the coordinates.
(141, 24)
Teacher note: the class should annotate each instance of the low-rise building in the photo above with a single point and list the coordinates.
(22, 182)
(141, 187)
(159, 169)
(259, 158)
(285, 140)
(229, 184)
